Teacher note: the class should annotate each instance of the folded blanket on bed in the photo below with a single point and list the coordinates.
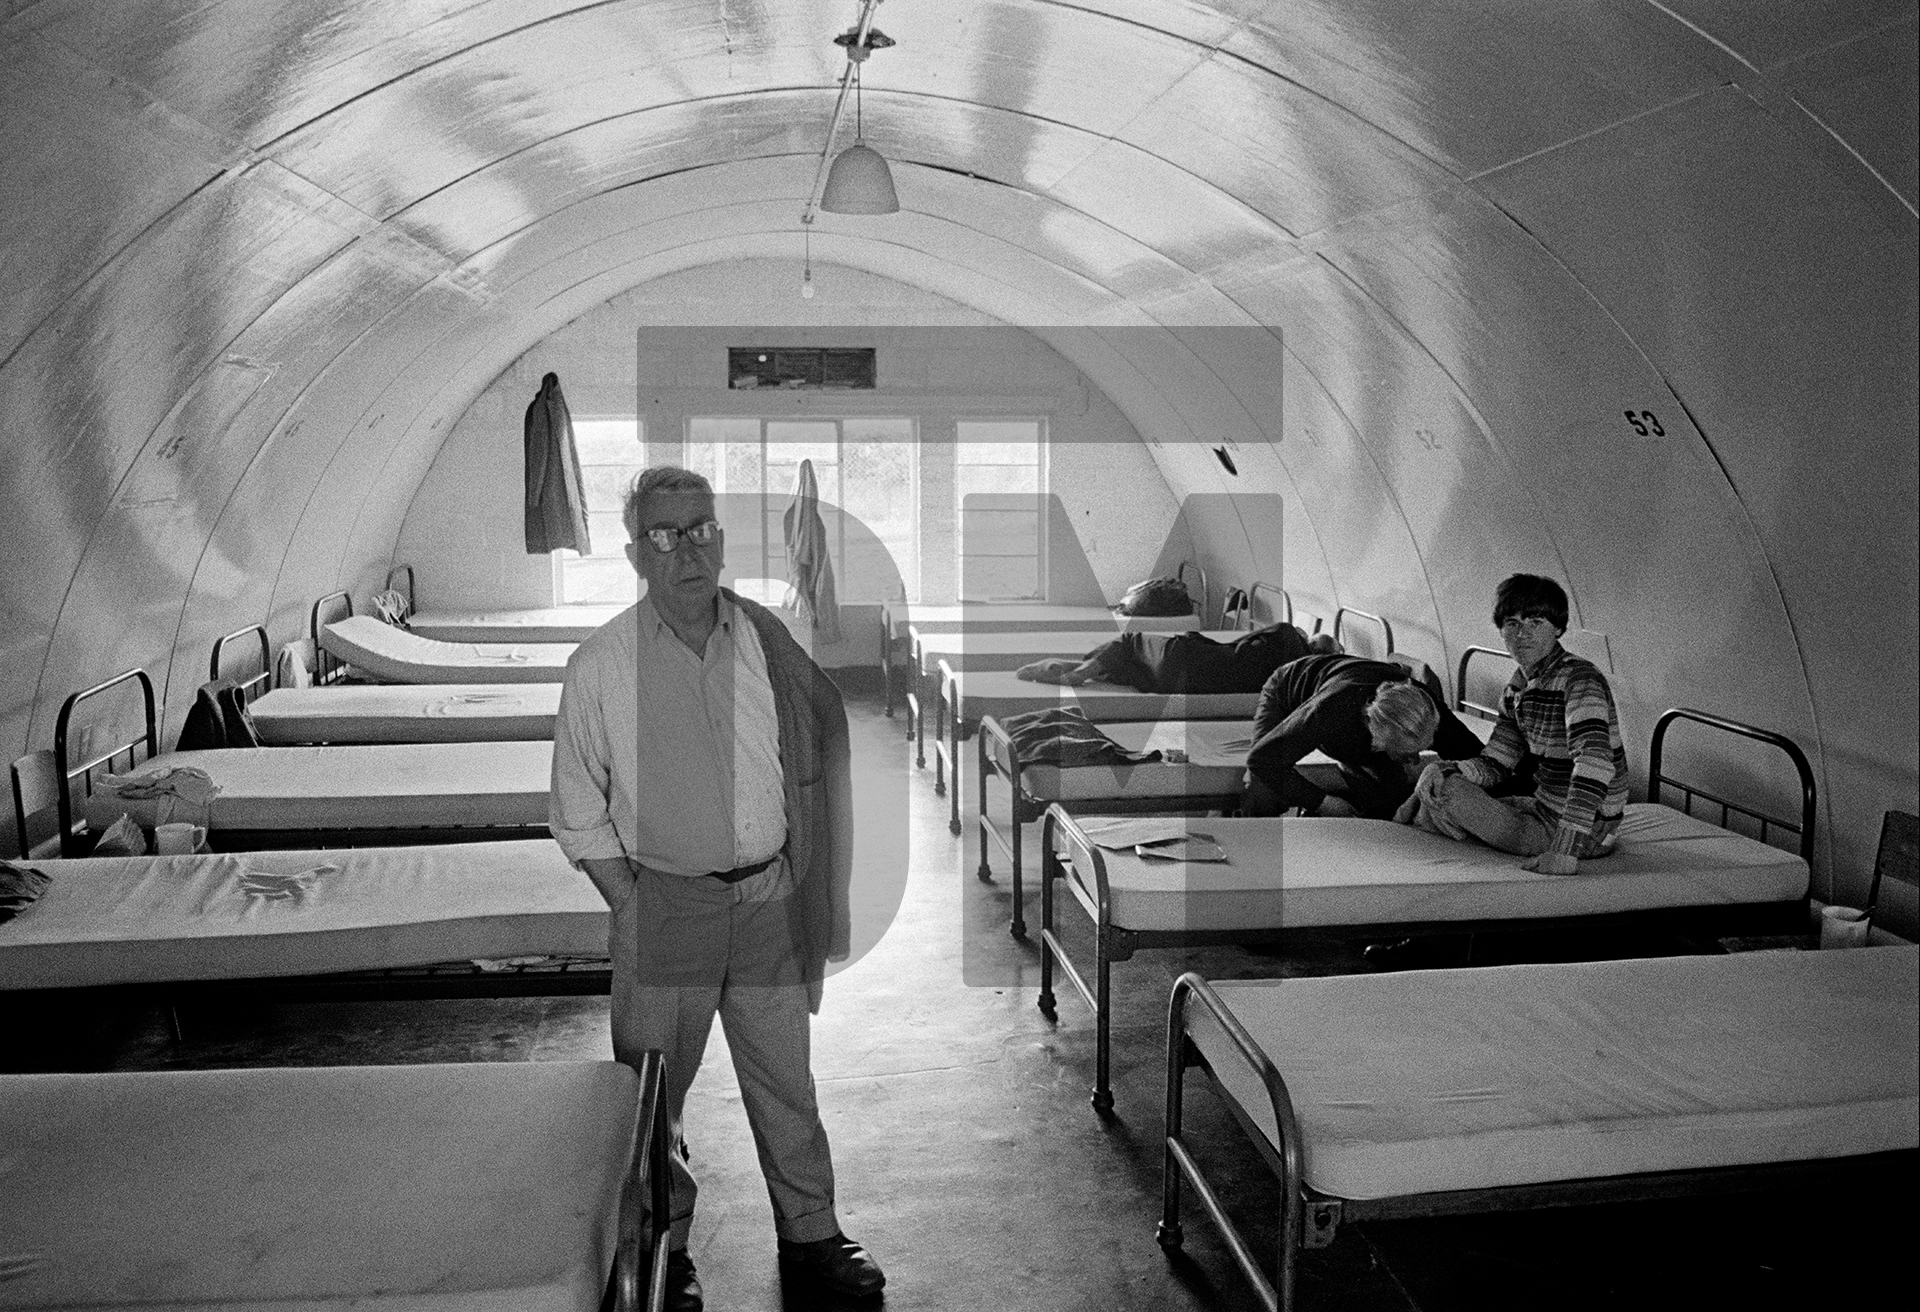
(20, 888)
(1063, 735)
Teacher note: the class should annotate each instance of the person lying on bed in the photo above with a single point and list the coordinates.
(1558, 713)
(1176, 663)
(1366, 715)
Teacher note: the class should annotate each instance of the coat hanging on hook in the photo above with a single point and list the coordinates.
(556, 495)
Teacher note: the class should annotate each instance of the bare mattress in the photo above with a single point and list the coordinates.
(250, 915)
(489, 1187)
(1296, 873)
(1424, 1081)
(1000, 693)
(552, 624)
(396, 656)
(407, 713)
(394, 786)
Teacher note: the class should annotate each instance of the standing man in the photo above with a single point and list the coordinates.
(1557, 711)
(701, 778)
(1367, 715)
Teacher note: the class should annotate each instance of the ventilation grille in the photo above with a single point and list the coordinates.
(785, 367)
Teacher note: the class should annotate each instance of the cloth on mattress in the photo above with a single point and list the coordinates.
(1023, 617)
(401, 657)
(247, 915)
(1296, 873)
(553, 624)
(980, 693)
(407, 713)
(1424, 1081)
(420, 785)
(451, 1188)
(1216, 753)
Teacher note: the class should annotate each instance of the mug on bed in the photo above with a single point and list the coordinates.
(178, 838)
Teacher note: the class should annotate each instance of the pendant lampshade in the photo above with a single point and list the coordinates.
(859, 183)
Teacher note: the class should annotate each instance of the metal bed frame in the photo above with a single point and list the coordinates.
(253, 683)
(1309, 1219)
(231, 839)
(1062, 837)
(1340, 628)
(62, 749)
(951, 729)
(328, 668)
(1461, 702)
(1025, 808)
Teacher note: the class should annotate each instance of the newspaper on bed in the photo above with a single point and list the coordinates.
(1190, 847)
(1121, 834)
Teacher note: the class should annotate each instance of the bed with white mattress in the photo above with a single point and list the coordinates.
(394, 655)
(270, 796)
(1596, 1081)
(406, 713)
(1006, 617)
(374, 921)
(1284, 876)
(549, 624)
(968, 697)
(491, 1187)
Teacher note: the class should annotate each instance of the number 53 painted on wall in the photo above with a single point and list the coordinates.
(1644, 423)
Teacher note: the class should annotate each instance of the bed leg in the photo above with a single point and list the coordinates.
(1168, 1233)
(886, 669)
(984, 872)
(1046, 1001)
(1102, 1024)
(953, 765)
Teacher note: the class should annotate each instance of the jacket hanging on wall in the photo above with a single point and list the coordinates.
(556, 498)
(809, 563)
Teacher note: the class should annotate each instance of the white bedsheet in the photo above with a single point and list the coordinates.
(452, 1188)
(1423, 1081)
(980, 693)
(128, 920)
(397, 656)
(417, 785)
(1295, 873)
(407, 713)
(1018, 617)
(553, 624)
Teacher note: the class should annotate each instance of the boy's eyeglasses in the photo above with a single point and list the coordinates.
(667, 540)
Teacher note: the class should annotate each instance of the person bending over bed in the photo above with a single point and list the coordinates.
(1558, 713)
(1366, 715)
(1183, 663)
(702, 779)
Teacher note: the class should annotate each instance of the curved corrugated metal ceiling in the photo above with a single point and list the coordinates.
(260, 257)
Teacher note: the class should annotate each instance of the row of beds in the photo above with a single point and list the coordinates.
(1316, 1072)
(1432, 1092)
(458, 1187)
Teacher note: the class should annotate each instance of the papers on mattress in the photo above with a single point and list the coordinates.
(282, 886)
(1192, 847)
(187, 783)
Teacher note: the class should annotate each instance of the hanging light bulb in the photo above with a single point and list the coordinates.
(806, 277)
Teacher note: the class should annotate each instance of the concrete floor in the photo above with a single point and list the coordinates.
(968, 1158)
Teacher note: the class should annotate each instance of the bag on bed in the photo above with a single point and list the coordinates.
(1155, 597)
(1063, 735)
(391, 607)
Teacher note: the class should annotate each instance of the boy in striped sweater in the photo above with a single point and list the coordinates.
(1557, 710)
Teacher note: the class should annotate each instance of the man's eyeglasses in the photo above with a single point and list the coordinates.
(667, 540)
(1525, 624)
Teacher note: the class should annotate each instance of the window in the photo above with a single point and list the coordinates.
(805, 367)
(612, 452)
(1000, 481)
(867, 466)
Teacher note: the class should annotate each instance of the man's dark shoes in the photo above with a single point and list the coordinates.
(683, 1285)
(837, 1263)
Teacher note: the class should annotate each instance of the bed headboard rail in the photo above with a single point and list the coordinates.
(250, 684)
(1802, 767)
(71, 771)
(1204, 598)
(327, 668)
(1461, 701)
(1341, 623)
(1279, 604)
(402, 571)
